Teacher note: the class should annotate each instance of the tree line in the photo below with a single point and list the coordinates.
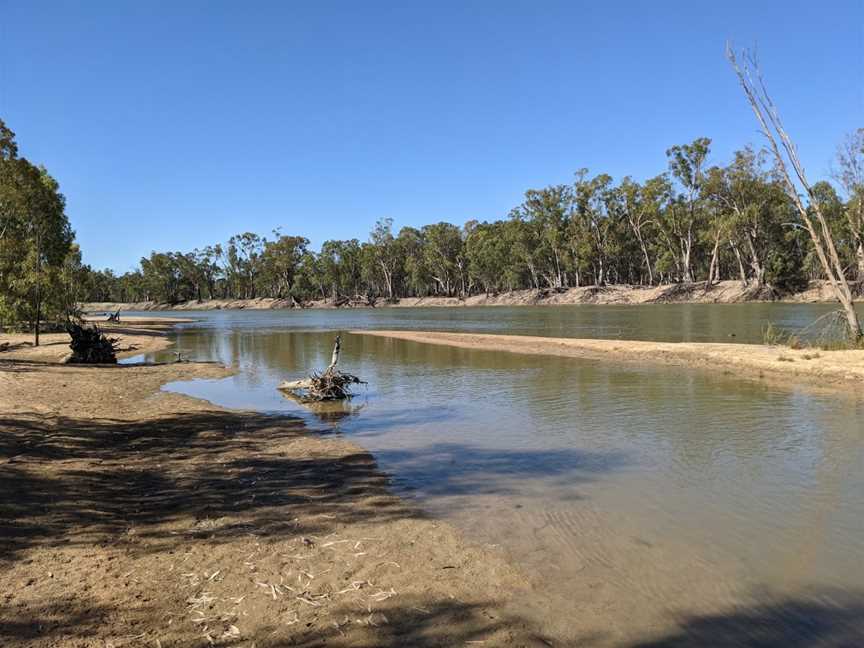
(692, 222)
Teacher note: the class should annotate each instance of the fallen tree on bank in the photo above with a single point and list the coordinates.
(330, 384)
(90, 345)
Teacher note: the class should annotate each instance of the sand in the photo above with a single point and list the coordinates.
(724, 292)
(815, 368)
(135, 517)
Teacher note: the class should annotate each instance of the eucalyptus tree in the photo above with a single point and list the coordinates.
(488, 256)
(590, 228)
(341, 266)
(748, 205)
(416, 278)
(643, 205)
(244, 254)
(850, 176)
(385, 253)
(280, 259)
(444, 256)
(685, 214)
(35, 238)
(547, 211)
(522, 241)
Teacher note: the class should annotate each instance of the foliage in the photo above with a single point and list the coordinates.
(35, 240)
(692, 222)
(689, 223)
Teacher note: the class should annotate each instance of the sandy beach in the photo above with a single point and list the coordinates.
(813, 367)
(135, 517)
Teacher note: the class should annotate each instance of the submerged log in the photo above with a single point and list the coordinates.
(331, 384)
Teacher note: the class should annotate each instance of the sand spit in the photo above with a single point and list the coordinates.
(835, 369)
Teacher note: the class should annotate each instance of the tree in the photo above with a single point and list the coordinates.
(444, 256)
(642, 207)
(35, 238)
(487, 255)
(850, 176)
(687, 165)
(750, 78)
(280, 260)
(385, 252)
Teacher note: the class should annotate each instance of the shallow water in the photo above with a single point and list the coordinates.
(662, 322)
(639, 496)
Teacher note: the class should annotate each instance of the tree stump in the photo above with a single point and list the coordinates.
(90, 345)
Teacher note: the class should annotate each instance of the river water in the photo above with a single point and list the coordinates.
(639, 500)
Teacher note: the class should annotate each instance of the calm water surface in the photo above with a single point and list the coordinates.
(662, 322)
(639, 495)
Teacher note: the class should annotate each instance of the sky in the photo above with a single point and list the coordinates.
(173, 125)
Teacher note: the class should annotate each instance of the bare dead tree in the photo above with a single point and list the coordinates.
(850, 157)
(750, 76)
(330, 384)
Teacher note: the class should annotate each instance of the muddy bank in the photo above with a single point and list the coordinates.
(53, 347)
(835, 369)
(134, 517)
(725, 292)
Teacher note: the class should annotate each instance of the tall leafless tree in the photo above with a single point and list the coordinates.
(750, 76)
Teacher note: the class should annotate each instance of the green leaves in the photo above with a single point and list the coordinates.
(35, 238)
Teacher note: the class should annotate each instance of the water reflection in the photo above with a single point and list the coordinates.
(743, 323)
(662, 487)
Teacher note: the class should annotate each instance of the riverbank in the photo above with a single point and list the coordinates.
(130, 516)
(834, 369)
(725, 292)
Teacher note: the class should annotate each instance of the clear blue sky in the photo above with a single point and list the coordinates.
(172, 125)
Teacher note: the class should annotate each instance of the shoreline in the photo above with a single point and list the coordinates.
(133, 516)
(725, 292)
(837, 370)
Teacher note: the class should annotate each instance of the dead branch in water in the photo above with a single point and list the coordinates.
(331, 384)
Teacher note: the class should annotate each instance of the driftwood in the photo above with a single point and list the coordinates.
(90, 346)
(330, 384)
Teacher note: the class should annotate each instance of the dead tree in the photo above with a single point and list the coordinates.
(330, 384)
(772, 128)
(90, 346)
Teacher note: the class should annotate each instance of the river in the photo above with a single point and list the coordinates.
(645, 497)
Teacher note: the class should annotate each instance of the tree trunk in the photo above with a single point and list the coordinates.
(38, 313)
(766, 113)
(742, 273)
(755, 263)
(645, 254)
(713, 265)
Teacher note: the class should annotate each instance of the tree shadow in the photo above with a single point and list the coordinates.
(443, 469)
(421, 624)
(415, 621)
(823, 619)
(67, 481)
(57, 619)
